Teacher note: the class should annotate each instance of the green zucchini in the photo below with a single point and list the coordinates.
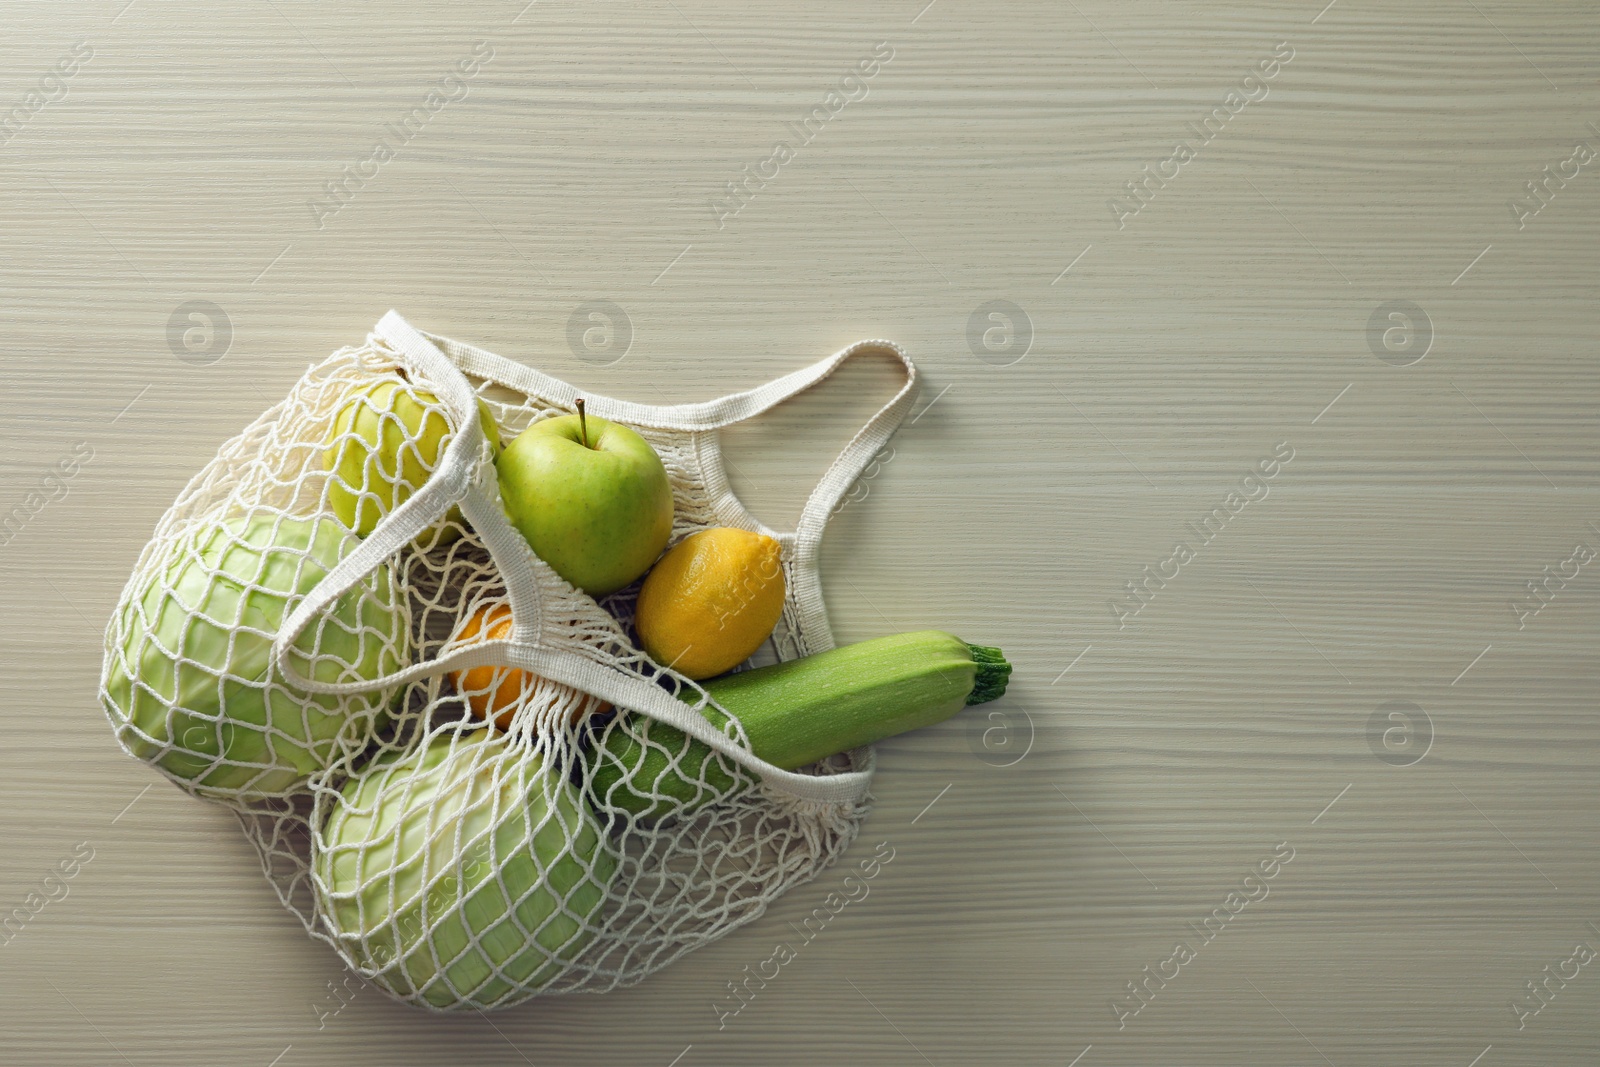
(794, 714)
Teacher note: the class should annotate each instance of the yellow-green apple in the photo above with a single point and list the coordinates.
(386, 440)
(590, 496)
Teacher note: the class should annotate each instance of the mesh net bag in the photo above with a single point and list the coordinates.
(315, 631)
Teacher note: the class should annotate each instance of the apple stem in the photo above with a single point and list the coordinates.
(583, 424)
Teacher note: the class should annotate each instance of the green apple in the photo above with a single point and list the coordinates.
(386, 440)
(591, 497)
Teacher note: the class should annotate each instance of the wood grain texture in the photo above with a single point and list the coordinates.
(1220, 320)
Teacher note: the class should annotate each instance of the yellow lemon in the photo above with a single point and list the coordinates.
(710, 601)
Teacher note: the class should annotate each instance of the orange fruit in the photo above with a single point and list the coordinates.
(709, 602)
(494, 692)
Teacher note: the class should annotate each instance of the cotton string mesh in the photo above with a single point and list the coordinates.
(453, 865)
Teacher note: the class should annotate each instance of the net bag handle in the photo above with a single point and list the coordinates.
(460, 477)
(843, 473)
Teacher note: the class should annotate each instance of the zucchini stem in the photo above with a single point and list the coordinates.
(993, 673)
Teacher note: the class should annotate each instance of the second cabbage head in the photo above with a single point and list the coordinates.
(463, 872)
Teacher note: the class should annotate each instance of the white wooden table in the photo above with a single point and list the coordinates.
(1348, 668)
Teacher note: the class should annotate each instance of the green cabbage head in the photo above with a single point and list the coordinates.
(463, 873)
(190, 683)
